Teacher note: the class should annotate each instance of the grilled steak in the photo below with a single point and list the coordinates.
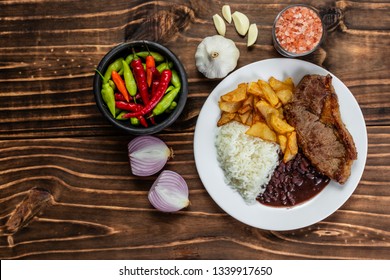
(321, 134)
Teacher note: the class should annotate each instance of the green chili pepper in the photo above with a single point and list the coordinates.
(171, 107)
(175, 80)
(169, 89)
(166, 102)
(129, 58)
(112, 84)
(108, 97)
(134, 121)
(163, 66)
(157, 57)
(116, 65)
(120, 116)
(131, 85)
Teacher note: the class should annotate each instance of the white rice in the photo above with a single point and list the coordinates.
(248, 162)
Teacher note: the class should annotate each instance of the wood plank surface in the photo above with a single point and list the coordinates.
(53, 136)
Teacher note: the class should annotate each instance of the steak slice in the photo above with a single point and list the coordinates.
(321, 134)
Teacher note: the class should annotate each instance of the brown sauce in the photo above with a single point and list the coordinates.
(292, 183)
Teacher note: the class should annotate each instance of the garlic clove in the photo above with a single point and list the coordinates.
(241, 22)
(252, 34)
(219, 24)
(227, 13)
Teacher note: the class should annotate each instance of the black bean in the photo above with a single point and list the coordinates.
(298, 181)
(291, 198)
(310, 176)
(317, 181)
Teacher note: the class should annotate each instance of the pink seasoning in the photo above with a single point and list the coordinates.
(298, 30)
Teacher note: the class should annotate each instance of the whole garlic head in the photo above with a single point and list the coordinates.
(216, 56)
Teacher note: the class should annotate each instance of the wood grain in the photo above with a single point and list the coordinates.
(53, 136)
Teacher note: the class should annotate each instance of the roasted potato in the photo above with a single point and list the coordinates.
(230, 107)
(285, 95)
(282, 141)
(225, 118)
(239, 94)
(268, 93)
(254, 88)
(280, 126)
(291, 148)
(277, 85)
(266, 109)
(244, 109)
(262, 130)
(244, 117)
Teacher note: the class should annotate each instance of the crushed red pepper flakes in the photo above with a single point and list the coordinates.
(298, 30)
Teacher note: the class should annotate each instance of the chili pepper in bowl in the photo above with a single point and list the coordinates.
(115, 66)
(120, 84)
(165, 78)
(140, 78)
(130, 83)
(150, 67)
(156, 56)
(166, 102)
(107, 93)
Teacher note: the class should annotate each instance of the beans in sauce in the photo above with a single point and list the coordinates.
(292, 183)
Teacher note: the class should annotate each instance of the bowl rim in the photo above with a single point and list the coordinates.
(177, 65)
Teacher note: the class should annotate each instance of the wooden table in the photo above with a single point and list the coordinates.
(53, 136)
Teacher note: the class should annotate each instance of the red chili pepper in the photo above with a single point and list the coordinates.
(128, 106)
(119, 97)
(142, 121)
(120, 84)
(154, 88)
(165, 78)
(140, 78)
(150, 68)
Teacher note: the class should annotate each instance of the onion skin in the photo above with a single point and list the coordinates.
(169, 193)
(147, 155)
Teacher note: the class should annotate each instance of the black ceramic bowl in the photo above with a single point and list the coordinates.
(163, 120)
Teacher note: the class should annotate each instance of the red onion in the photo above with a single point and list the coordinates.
(169, 193)
(148, 155)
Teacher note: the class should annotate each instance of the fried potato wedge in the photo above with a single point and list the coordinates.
(292, 143)
(285, 95)
(280, 126)
(289, 81)
(266, 109)
(230, 107)
(268, 93)
(239, 94)
(244, 117)
(244, 109)
(225, 118)
(291, 148)
(248, 100)
(262, 130)
(254, 88)
(282, 141)
(279, 85)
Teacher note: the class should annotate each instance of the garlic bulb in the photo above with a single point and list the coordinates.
(216, 56)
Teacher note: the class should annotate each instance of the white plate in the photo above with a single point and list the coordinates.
(258, 215)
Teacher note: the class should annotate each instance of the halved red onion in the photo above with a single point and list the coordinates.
(169, 193)
(148, 155)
